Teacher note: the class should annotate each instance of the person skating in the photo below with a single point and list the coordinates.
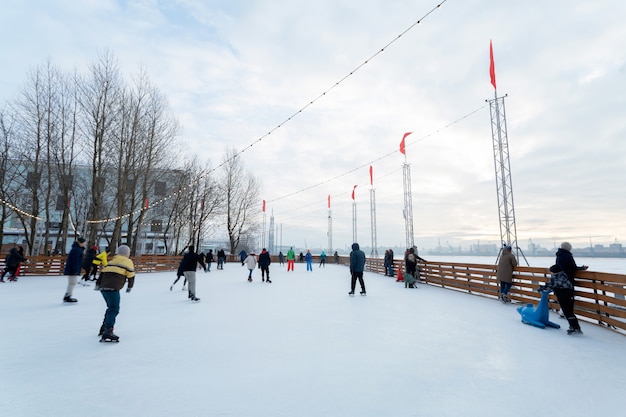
(179, 273)
(264, 264)
(221, 258)
(12, 263)
(114, 276)
(73, 265)
(309, 260)
(209, 260)
(88, 265)
(357, 266)
(322, 260)
(250, 263)
(291, 259)
(190, 265)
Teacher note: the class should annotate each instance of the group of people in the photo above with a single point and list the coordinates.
(561, 281)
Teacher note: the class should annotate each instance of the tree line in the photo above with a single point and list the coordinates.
(96, 156)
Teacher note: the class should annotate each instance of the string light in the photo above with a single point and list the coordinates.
(18, 210)
(281, 124)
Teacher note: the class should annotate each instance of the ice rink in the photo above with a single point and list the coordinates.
(297, 347)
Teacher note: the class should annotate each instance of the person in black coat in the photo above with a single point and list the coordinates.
(565, 263)
(190, 264)
(357, 266)
(73, 266)
(12, 262)
(264, 264)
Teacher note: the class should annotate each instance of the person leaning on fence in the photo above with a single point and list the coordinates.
(504, 275)
(562, 283)
(411, 268)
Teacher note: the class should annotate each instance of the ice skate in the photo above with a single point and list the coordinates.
(572, 331)
(351, 293)
(69, 299)
(363, 293)
(109, 336)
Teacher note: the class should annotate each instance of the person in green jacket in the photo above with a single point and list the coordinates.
(291, 259)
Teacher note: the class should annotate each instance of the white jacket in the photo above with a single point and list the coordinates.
(250, 261)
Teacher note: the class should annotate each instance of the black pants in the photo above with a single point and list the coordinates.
(265, 270)
(358, 275)
(566, 301)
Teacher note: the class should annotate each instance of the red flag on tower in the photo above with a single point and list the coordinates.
(263, 206)
(492, 66)
(371, 175)
(329, 201)
(402, 145)
(353, 192)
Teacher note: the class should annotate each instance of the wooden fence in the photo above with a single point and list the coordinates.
(600, 297)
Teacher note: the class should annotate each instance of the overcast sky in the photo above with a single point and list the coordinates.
(235, 70)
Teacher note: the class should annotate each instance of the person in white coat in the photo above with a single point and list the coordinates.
(250, 263)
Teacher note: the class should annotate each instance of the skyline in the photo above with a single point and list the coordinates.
(234, 72)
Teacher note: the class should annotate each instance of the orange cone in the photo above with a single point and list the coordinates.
(400, 277)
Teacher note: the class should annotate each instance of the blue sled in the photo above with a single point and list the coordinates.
(539, 316)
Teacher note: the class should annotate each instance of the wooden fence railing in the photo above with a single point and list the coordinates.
(600, 297)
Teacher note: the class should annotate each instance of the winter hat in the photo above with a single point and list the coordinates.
(123, 250)
(81, 240)
(566, 246)
(507, 247)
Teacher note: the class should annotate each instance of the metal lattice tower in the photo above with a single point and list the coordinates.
(373, 222)
(330, 232)
(354, 222)
(270, 244)
(502, 164)
(408, 206)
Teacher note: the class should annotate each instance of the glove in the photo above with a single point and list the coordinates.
(128, 289)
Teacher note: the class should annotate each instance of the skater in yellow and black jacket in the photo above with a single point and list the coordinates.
(113, 278)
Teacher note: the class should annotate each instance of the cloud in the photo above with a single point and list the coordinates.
(234, 71)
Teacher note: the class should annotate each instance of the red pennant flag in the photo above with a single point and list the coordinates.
(371, 175)
(492, 66)
(353, 191)
(402, 146)
(263, 206)
(329, 201)
(145, 203)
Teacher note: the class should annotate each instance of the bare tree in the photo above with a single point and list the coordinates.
(99, 101)
(240, 189)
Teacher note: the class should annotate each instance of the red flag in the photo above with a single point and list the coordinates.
(371, 175)
(263, 206)
(145, 203)
(402, 146)
(492, 66)
(328, 200)
(353, 192)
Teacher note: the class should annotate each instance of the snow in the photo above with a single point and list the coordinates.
(297, 347)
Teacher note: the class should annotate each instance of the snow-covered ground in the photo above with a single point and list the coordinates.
(297, 347)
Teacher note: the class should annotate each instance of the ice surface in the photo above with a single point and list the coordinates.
(297, 347)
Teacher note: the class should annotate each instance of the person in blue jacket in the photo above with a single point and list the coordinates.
(73, 265)
(309, 260)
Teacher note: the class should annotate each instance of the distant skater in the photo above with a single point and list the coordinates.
(73, 265)
(190, 265)
(357, 266)
(309, 260)
(281, 258)
(291, 259)
(250, 263)
(179, 273)
(322, 260)
(264, 263)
